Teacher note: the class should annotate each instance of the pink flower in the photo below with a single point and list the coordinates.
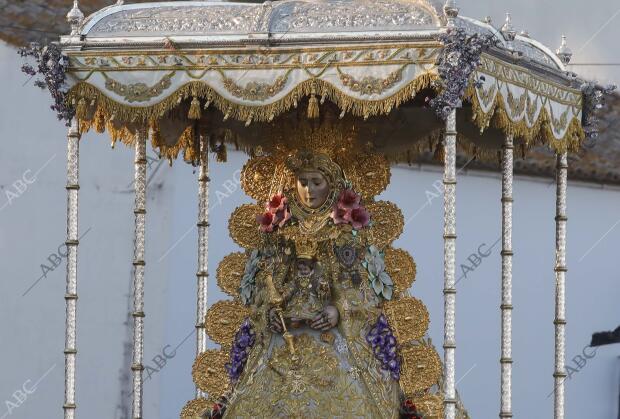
(276, 214)
(266, 222)
(359, 218)
(349, 199)
(281, 217)
(277, 203)
(340, 215)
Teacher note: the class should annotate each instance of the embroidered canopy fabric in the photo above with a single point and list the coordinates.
(157, 62)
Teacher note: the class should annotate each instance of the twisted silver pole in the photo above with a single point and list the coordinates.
(138, 272)
(449, 264)
(560, 277)
(73, 186)
(506, 306)
(202, 274)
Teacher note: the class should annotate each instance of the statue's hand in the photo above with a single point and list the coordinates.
(274, 321)
(326, 320)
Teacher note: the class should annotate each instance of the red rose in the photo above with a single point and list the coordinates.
(266, 222)
(277, 203)
(348, 199)
(359, 218)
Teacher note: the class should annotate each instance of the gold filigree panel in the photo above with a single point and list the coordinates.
(430, 405)
(408, 318)
(263, 176)
(223, 320)
(387, 223)
(209, 372)
(194, 409)
(401, 267)
(243, 227)
(229, 273)
(371, 175)
(421, 368)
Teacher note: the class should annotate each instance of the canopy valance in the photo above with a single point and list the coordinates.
(140, 63)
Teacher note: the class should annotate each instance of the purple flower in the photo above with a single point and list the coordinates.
(384, 346)
(244, 341)
(52, 66)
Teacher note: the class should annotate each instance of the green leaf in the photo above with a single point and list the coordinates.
(377, 286)
(385, 278)
(387, 293)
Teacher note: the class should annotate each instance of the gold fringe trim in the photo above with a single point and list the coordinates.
(266, 113)
(108, 109)
(431, 147)
(81, 112)
(186, 143)
(541, 130)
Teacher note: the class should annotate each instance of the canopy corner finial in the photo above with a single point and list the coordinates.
(120, 2)
(75, 17)
(508, 30)
(451, 10)
(564, 53)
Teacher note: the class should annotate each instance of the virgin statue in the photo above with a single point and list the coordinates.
(326, 327)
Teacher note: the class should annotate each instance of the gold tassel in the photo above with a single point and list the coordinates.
(81, 112)
(100, 121)
(194, 110)
(156, 139)
(313, 104)
(220, 153)
(440, 154)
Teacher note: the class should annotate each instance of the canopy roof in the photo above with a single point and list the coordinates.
(158, 62)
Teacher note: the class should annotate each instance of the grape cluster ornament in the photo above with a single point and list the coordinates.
(384, 346)
(244, 341)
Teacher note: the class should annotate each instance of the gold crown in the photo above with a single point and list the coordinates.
(306, 249)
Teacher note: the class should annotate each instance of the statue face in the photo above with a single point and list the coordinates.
(304, 267)
(312, 188)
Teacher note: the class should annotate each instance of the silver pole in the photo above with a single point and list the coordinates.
(202, 274)
(560, 278)
(138, 271)
(506, 306)
(73, 186)
(449, 343)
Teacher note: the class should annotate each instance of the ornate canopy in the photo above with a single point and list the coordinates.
(253, 62)
(374, 81)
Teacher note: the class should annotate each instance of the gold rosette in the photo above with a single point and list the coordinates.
(370, 175)
(408, 318)
(420, 369)
(243, 227)
(194, 409)
(387, 223)
(209, 373)
(223, 320)
(229, 273)
(401, 267)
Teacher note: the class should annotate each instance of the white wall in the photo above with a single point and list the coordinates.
(32, 227)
